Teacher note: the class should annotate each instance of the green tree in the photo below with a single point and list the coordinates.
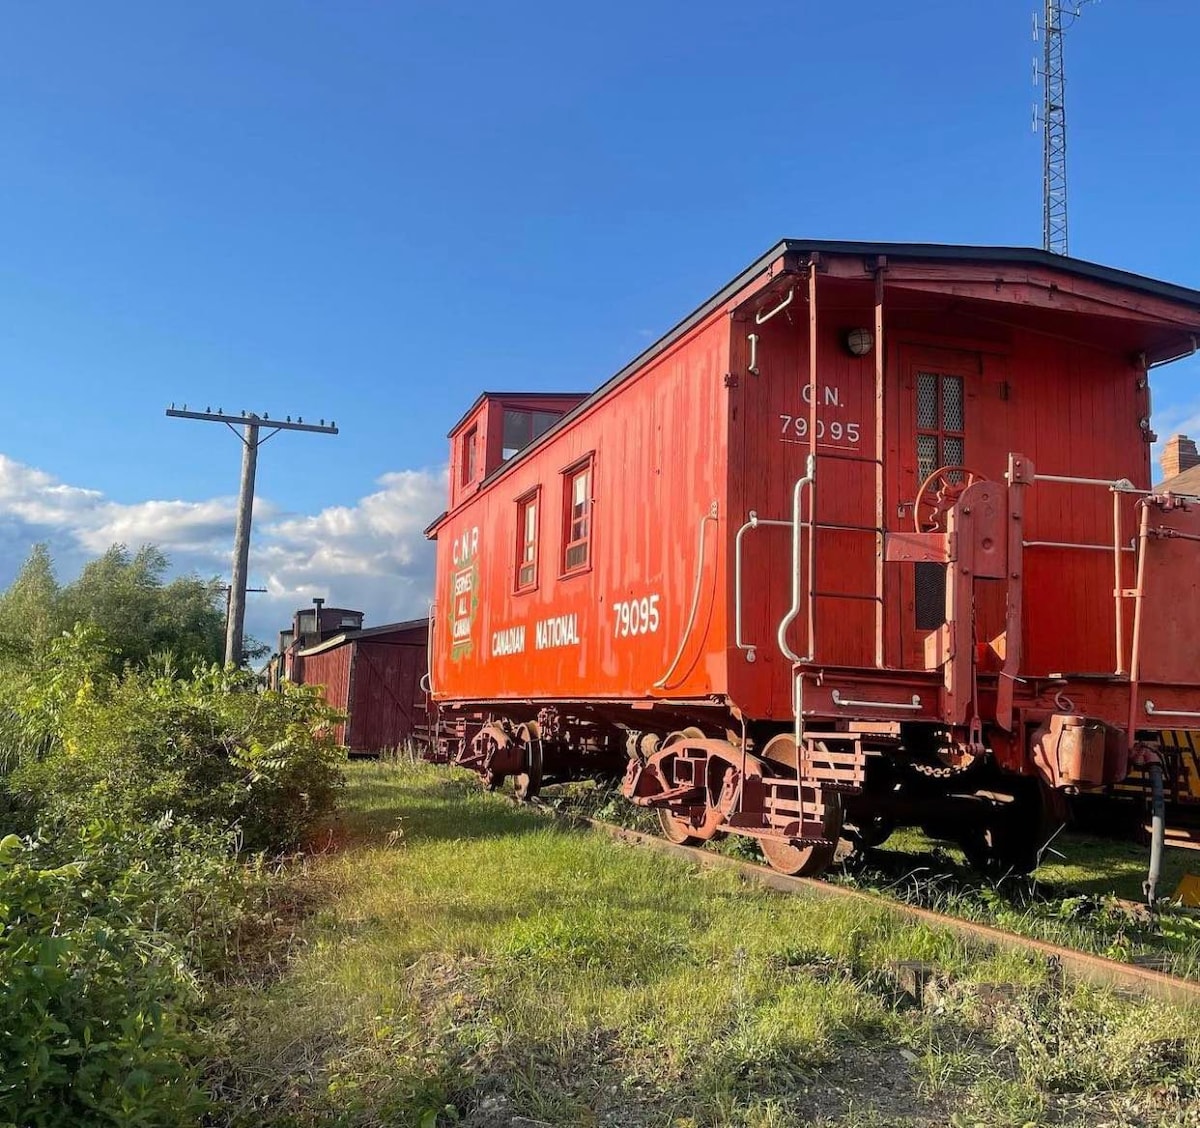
(141, 616)
(31, 611)
(126, 596)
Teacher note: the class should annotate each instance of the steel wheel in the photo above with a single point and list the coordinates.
(527, 783)
(807, 861)
(496, 735)
(675, 829)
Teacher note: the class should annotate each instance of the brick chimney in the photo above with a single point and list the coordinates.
(1178, 455)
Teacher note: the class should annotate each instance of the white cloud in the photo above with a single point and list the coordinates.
(371, 556)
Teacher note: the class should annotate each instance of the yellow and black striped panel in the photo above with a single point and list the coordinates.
(1181, 758)
(1186, 745)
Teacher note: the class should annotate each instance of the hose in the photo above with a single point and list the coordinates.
(1158, 825)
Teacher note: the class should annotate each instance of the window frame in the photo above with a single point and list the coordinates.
(929, 579)
(505, 413)
(940, 432)
(529, 497)
(585, 465)
(531, 416)
(470, 455)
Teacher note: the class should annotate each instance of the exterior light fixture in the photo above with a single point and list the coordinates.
(860, 341)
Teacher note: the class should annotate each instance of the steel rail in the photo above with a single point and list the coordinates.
(1082, 965)
(1098, 970)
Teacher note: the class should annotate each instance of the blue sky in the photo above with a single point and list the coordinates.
(370, 211)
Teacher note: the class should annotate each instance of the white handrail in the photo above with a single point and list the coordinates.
(1073, 544)
(761, 318)
(803, 483)
(914, 704)
(1124, 485)
(427, 677)
(753, 522)
(711, 515)
(1151, 711)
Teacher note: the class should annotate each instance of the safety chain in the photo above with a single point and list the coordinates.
(939, 771)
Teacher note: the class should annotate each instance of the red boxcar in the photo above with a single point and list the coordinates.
(960, 604)
(373, 676)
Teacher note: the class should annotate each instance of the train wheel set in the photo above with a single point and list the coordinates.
(832, 804)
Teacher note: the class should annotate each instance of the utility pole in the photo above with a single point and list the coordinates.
(251, 440)
(228, 596)
(1054, 124)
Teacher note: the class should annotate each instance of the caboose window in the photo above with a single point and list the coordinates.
(522, 427)
(939, 422)
(469, 456)
(527, 541)
(577, 518)
(939, 443)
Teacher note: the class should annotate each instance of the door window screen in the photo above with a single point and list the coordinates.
(939, 422)
(939, 443)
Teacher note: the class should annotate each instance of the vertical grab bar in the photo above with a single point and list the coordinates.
(753, 522)
(1118, 593)
(803, 483)
(1135, 650)
(427, 677)
(711, 515)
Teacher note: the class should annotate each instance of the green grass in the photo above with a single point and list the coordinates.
(1077, 864)
(1085, 895)
(470, 962)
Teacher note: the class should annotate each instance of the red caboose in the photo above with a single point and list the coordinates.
(959, 604)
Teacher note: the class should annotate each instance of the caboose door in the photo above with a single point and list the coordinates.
(931, 429)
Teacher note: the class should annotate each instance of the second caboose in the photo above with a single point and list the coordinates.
(866, 540)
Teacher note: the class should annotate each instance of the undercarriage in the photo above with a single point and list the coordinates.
(845, 792)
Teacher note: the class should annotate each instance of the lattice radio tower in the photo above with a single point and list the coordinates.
(1054, 122)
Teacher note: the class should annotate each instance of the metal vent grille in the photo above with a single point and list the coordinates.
(927, 400)
(952, 404)
(930, 593)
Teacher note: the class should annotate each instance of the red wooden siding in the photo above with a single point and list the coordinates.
(1073, 407)
(331, 670)
(658, 468)
(1048, 358)
(373, 676)
(388, 702)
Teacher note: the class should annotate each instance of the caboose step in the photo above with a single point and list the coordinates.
(806, 832)
(811, 836)
(840, 767)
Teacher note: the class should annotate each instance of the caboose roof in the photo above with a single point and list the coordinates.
(893, 253)
(526, 399)
(1028, 256)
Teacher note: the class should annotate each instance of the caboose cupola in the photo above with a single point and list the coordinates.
(498, 426)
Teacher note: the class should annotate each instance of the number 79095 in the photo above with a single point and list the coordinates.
(636, 616)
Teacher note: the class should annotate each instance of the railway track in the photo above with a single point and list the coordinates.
(1082, 966)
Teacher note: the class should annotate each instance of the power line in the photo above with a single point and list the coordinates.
(251, 441)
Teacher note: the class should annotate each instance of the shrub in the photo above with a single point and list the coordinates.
(89, 1026)
(137, 746)
(141, 793)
